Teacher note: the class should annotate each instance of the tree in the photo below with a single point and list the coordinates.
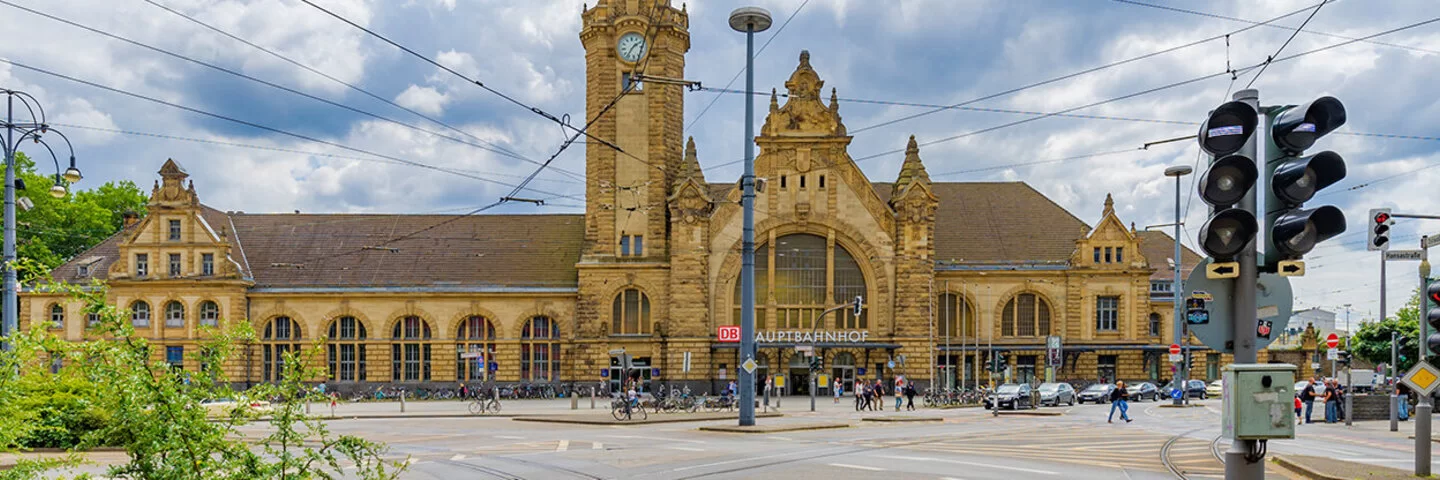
(57, 229)
(1372, 340)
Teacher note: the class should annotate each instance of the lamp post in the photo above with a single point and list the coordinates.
(33, 130)
(748, 20)
(1181, 373)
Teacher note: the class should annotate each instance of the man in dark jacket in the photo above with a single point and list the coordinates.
(1119, 399)
(1308, 396)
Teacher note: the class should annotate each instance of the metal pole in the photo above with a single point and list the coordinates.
(10, 309)
(1394, 353)
(1176, 296)
(747, 252)
(1243, 316)
(1422, 410)
(1349, 412)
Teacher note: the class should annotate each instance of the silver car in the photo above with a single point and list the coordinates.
(1056, 394)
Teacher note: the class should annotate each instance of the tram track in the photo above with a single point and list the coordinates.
(1175, 469)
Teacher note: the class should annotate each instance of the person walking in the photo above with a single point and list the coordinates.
(838, 387)
(1298, 409)
(859, 395)
(1119, 399)
(877, 398)
(1308, 397)
(910, 396)
(899, 389)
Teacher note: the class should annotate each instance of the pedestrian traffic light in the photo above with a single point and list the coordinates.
(1228, 136)
(1292, 231)
(1432, 316)
(1380, 222)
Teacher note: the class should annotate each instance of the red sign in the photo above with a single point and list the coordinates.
(1332, 341)
(728, 334)
(1174, 349)
(1382, 217)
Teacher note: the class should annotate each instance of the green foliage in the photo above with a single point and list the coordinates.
(109, 392)
(58, 229)
(1372, 340)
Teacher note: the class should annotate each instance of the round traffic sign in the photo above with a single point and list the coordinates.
(1332, 341)
(1174, 349)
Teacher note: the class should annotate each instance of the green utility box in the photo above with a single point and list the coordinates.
(1259, 401)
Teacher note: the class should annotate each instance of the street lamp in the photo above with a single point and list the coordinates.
(748, 20)
(1181, 374)
(34, 130)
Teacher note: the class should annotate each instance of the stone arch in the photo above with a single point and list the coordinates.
(452, 329)
(997, 314)
(344, 310)
(280, 310)
(607, 305)
(966, 295)
(220, 317)
(518, 326)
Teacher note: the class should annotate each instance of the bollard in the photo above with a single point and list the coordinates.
(402, 400)
(574, 401)
(592, 398)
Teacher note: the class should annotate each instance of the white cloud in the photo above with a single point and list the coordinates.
(424, 99)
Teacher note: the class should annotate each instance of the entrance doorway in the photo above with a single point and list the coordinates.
(799, 381)
(947, 371)
(843, 368)
(639, 371)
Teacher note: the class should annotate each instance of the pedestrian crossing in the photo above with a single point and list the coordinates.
(1131, 450)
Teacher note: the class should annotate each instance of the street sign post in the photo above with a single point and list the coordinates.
(1209, 317)
(1394, 255)
(1332, 341)
(1423, 378)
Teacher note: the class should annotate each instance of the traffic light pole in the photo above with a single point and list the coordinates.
(1238, 465)
(1423, 409)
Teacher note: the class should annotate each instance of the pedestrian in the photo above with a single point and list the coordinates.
(733, 389)
(1308, 397)
(837, 386)
(1340, 394)
(859, 395)
(1298, 409)
(464, 390)
(899, 388)
(1119, 400)
(910, 396)
(878, 397)
(1403, 399)
(769, 383)
(1331, 402)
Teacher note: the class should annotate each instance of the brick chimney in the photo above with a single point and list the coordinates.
(131, 218)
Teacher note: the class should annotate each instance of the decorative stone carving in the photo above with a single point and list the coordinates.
(804, 113)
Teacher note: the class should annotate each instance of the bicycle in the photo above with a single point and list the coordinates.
(623, 409)
(485, 404)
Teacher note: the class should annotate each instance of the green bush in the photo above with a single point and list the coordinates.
(65, 410)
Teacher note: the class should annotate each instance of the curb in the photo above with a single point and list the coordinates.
(775, 429)
(1029, 413)
(1307, 472)
(1188, 405)
(902, 419)
(612, 422)
(61, 450)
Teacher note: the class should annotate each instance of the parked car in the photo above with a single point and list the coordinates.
(224, 407)
(1193, 389)
(1141, 391)
(1012, 396)
(1215, 388)
(1097, 393)
(1319, 388)
(1056, 393)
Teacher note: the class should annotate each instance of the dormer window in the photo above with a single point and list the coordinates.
(142, 265)
(174, 264)
(174, 230)
(84, 270)
(207, 264)
(1108, 251)
(1119, 254)
(1097, 254)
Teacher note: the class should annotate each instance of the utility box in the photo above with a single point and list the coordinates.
(1259, 401)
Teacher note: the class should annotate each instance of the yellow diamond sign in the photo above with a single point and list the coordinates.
(1423, 378)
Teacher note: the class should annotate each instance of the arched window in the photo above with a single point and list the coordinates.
(476, 338)
(209, 314)
(631, 313)
(281, 336)
(540, 350)
(1025, 315)
(174, 315)
(57, 316)
(410, 355)
(345, 350)
(140, 314)
(956, 317)
(810, 274)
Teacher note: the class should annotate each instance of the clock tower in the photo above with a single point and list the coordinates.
(625, 192)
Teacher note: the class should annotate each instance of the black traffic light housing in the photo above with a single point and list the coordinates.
(1432, 316)
(1228, 135)
(1380, 222)
(1293, 178)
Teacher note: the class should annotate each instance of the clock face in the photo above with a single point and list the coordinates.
(631, 47)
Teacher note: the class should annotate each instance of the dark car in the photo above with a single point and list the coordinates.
(1143, 390)
(1013, 396)
(1097, 393)
(1195, 389)
(1056, 394)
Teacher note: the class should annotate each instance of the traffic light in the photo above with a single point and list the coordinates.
(1344, 357)
(1380, 222)
(1228, 135)
(1292, 231)
(1432, 315)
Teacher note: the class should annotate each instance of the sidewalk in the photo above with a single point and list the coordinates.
(1321, 468)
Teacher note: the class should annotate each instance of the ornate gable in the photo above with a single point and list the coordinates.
(804, 113)
(691, 200)
(1110, 245)
(175, 233)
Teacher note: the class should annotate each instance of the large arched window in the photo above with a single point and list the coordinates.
(345, 350)
(282, 336)
(209, 314)
(57, 316)
(540, 350)
(140, 314)
(956, 317)
(174, 314)
(475, 348)
(631, 314)
(809, 274)
(410, 354)
(1025, 315)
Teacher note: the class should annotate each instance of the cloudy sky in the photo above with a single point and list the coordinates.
(927, 52)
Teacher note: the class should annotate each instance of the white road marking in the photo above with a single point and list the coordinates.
(974, 464)
(457, 457)
(857, 467)
(747, 459)
(508, 437)
(563, 446)
(656, 438)
(780, 438)
(687, 449)
(950, 478)
(597, 446)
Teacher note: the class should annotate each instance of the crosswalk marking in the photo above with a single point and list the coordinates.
(857, 467)
(457, 457)
(562, 446)
(597, 446)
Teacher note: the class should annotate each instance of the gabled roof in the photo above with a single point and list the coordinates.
(1157, 247)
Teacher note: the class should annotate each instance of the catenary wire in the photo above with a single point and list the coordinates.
(503, 150)
(258, 126)
(1286, 44)
(256, 80)
(742, 69)
(1271, 25)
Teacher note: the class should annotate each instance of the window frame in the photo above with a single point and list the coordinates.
(540, 355)
(176, 267)
(203, 317)
(177, 321)
(140, 313)
(57, 323)
(175, 230)
(1112, 320)
(274, 346)
(411, 350)
(142, 265)
(630, 313)
(345, 350)
(207, 264)
(826, 274)
(476, 333)
(1040, 325)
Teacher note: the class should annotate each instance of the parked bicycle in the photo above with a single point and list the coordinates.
(484, 403)
(626, 409)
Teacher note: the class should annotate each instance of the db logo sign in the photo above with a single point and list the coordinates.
(729, 334)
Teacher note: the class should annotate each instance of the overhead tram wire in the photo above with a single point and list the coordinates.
(742, 69)
(260, 126)
(1079, 73)
(1286, 44)
(258, 80)
(534, 110)
(1240, 71)
(1281, 27)
(502, 150)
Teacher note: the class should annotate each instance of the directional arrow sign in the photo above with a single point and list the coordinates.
(1291, 268)
(1222, 270)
